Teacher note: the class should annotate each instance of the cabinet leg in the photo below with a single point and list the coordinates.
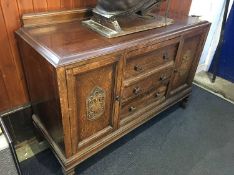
(184, 103)
(69, 172)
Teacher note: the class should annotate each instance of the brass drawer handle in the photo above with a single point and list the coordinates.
(138, 68)
(117, 98)
(158, 94)
(163, 77)
(166, 56)
(132, 109)
(137, 90)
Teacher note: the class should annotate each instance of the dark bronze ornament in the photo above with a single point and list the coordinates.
(117, 8)
(113, 18)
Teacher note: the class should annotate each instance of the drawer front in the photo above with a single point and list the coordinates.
(132, 107)
(144, 59)
(148, 84)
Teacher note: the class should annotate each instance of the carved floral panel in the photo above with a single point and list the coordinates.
(95, 103)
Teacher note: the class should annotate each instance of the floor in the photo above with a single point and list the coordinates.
(195, 141)
(3, 142)
(30, 148)
(221, 87)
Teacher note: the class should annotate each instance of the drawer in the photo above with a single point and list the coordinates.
(147, 84)
(142, 60)
(142, 101)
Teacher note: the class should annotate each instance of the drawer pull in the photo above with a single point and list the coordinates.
(117, 98)
(166, 56)
(132, 109)
(138, 68)
(137, 90)
(163, 77)
(158, 94)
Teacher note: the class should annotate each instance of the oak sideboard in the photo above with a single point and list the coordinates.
(87, 91)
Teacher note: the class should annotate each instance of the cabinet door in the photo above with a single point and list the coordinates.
(92, 92)
(187, 61)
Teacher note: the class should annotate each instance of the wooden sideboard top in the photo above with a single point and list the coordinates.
(68, 42)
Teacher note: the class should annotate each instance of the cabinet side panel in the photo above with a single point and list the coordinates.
(43, 91)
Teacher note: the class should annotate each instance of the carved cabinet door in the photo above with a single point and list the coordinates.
(187, 60)
(93, 91)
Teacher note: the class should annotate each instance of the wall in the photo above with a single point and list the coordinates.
(13, 92)
(212, 11)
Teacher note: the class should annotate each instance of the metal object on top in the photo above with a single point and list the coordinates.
(113, 18)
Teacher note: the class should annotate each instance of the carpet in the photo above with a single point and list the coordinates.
(196, 141)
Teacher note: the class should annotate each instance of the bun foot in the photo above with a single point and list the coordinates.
(184, 103)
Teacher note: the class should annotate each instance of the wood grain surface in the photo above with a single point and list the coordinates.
(12, 83)
(88, 91)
